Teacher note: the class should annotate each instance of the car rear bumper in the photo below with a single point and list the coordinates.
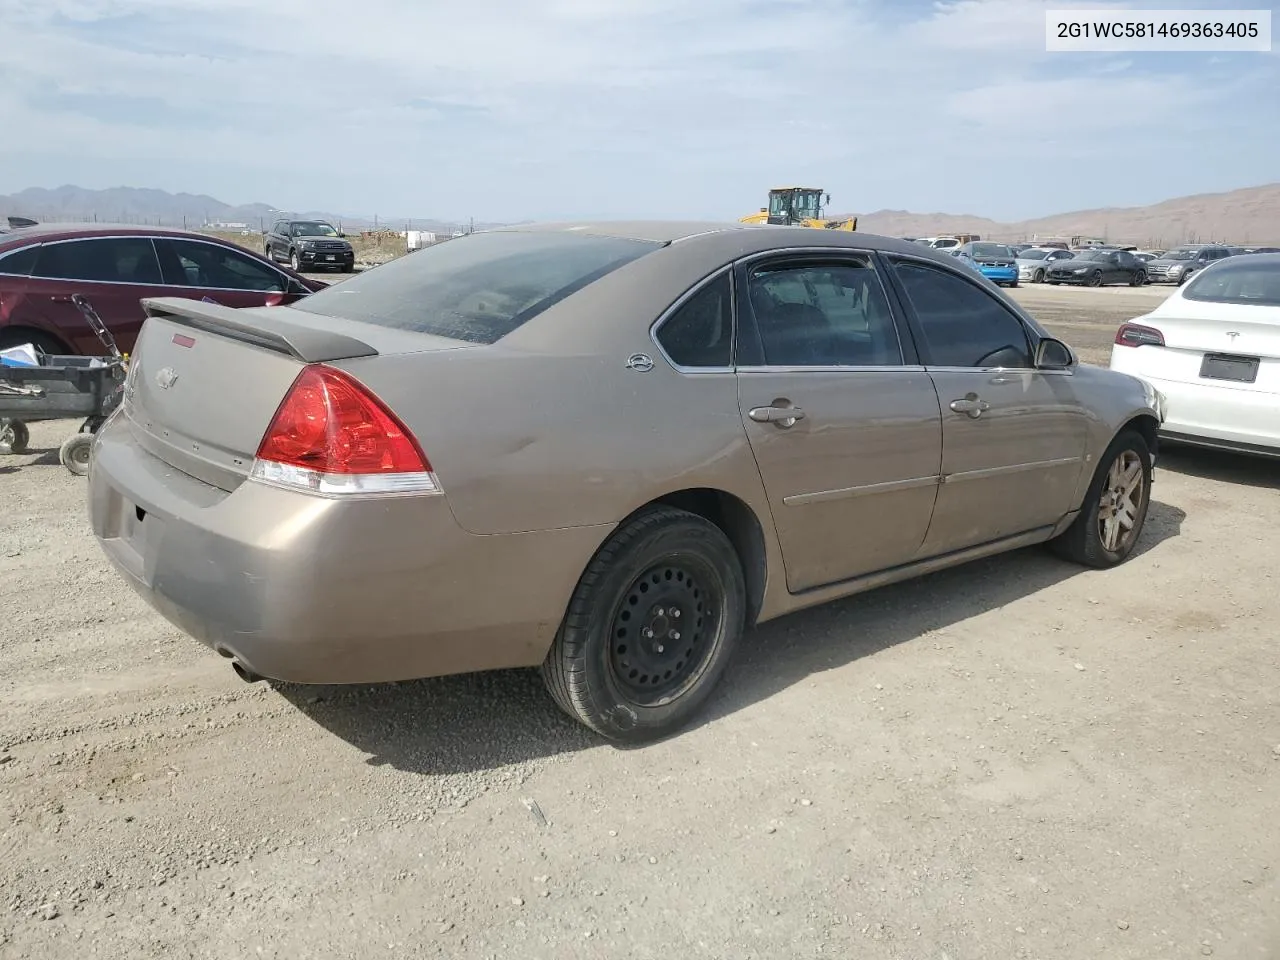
(1219, 416)
(314, 590)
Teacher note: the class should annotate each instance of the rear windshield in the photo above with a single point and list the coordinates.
(1239, 281)
(478, 287)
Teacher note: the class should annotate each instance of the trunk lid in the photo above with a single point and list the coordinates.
(1234, 333)
(205, 380)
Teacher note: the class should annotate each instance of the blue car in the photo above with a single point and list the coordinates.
(994, 261)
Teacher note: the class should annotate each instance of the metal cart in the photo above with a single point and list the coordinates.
(62, 388)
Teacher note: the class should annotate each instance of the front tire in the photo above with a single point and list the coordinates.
(650, 627)
(1095, 279)
(295, 262)
(1115, 507)
(1038, 277)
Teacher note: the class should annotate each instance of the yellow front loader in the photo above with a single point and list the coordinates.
(799, 206)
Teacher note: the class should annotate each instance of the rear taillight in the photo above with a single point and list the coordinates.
(1136, 335)
(332, 436)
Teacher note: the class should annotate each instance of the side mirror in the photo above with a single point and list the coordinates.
(1053, 354)
(343, 236)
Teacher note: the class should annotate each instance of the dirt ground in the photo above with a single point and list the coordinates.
(1016, 759)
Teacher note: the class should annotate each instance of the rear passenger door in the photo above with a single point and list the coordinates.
(1013, 437)
(112, 273)
(843, 422)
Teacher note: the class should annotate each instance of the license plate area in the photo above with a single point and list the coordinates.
(331, 257)
(1226, 366)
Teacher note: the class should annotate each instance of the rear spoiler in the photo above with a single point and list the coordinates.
(262, 330)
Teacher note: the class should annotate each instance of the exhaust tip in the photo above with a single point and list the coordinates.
(243, 672)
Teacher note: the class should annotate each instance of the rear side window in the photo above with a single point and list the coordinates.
(700, 331)
(1239, 281)
(19, 262)
(478, 287)
(100, 260)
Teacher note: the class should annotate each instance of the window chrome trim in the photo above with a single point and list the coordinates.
(693, 291)
(153, 238)
(834, 368)
(834, 252)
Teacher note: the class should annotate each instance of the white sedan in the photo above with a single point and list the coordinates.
(1213, 349)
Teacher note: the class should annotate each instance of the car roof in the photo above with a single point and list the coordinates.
(716, 237)
(63, 231)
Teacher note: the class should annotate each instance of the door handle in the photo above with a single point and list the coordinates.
(778, 416)
(972, 405)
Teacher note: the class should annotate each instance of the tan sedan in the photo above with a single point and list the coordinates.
(602, 449)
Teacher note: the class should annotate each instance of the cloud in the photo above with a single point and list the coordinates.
(505, 109)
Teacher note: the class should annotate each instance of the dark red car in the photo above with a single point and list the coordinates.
(114, 267)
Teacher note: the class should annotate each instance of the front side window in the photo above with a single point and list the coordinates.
(477, 287)
(193, 263)
(100, 260)
(829, 314)
(963, 325)
(700, 331)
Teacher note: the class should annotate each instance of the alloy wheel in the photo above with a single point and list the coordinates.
(1121, 502)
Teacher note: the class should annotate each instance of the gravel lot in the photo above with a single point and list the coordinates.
(1017, 759)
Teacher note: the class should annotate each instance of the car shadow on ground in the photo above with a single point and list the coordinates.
(1219, 465)
(473, 722)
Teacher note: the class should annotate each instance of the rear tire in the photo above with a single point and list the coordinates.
(650, 627)
(14, 436)
(1116, 492)
(75, 452)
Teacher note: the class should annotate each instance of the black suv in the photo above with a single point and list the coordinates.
(309, 245)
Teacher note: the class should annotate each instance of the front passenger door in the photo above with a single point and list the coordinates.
(843, 422)
(1013, 437)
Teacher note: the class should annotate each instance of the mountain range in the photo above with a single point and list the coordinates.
(1249, 215)
(160, 208)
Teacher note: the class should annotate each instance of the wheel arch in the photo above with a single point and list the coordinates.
(739, 523)
(15, 332)
(1147, 425)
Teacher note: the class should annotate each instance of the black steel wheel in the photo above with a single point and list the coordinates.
(14, 436)
(664, 630)
(650, 627)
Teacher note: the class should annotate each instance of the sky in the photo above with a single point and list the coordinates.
(506, 110)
